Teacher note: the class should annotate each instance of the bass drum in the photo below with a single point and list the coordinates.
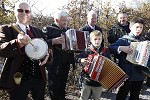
(37, 49)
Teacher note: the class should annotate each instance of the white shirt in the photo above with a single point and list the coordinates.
(23, 27)
(92, 27)
(118, 50)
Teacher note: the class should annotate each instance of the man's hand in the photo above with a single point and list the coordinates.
(85, 62)
(23, 39)
(58, 40)
(126, 49)
(45, 60)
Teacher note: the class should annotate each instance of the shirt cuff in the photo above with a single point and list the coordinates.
(118, 50)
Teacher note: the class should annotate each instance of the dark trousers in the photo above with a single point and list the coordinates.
(134, 87)
(36, 86)
(148, 81)
(57, 79)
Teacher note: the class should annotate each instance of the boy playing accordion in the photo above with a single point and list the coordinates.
(89, 85)
(121, 48)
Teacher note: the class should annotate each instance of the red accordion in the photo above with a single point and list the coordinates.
(76, 40)
(95, 67)
(105, 71)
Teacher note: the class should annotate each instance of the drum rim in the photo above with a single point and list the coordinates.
(43, 54)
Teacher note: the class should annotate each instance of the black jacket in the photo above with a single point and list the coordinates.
(117, 31)
(13, 55)
(60, 56)
(86, 27)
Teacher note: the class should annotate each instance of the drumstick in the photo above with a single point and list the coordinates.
(15, 27)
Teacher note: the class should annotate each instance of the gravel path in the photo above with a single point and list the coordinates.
(145, 95)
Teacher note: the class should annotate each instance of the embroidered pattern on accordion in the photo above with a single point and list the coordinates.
(105, 71)
(97, 62)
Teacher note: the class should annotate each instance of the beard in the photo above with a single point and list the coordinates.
(123, 23)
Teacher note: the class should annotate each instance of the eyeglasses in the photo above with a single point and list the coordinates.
(21, 11)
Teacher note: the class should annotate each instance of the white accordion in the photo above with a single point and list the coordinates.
(140, 55)
(76, 40)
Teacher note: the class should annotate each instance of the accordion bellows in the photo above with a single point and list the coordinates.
(112, 75)
(105, 71)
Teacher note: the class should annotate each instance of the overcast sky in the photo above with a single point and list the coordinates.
(47, 7)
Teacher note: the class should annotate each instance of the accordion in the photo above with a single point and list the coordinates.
(105, 71)
(76, 40)
(140, 55)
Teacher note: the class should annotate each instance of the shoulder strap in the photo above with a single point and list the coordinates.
(54, 27)
(103, 51)
(44, 29)
(92, 49)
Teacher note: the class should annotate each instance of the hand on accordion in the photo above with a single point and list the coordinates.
(85, 62)
(58, 40)
(126, 49)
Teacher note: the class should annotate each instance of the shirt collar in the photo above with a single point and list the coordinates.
(92, 27)
(136, 37)
(22, 26)
(95, 48)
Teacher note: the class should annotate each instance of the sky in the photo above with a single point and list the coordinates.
(48, 7)
(45, 7)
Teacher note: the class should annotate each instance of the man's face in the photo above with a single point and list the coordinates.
(122, 19)
(96, 41)
(62, 22)
(136, 29)
(92, 19)
(23, 13)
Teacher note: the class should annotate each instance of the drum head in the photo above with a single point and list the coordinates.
(38, 50)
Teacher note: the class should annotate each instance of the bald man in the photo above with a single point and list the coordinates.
(12, 48)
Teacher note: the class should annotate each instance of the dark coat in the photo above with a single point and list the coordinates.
(133, 71)
(117, 31)
(12, 54)
(60, 56)
(86, 27)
